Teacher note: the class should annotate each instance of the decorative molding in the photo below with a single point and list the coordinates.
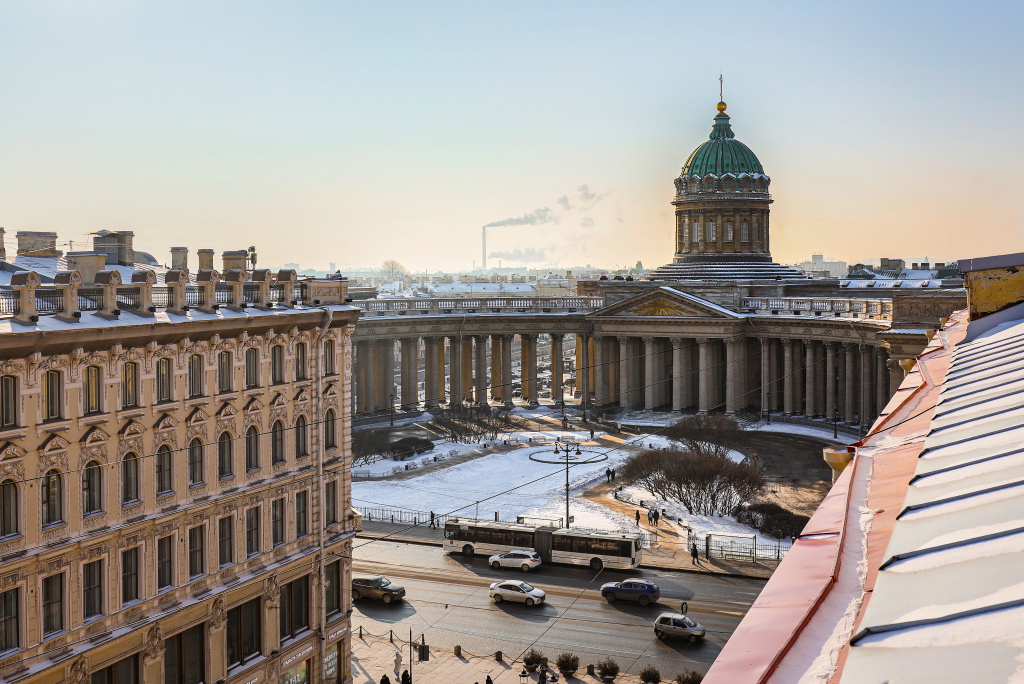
(218, 616)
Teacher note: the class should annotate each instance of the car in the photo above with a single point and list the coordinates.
(641, 591)
(678, 626)
(377, 587)
(524, 559)
(516, 590)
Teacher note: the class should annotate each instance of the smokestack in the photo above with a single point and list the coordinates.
(205, 259)
(484, 262)
(179, 258)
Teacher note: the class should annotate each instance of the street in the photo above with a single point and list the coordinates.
(448, 602)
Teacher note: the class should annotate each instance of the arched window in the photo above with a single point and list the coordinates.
(224, 370)
(300, 361)
(277, 364)
(92, 390)
(8, 401)
(92, 488)
(53, 498)
(330, 430)
(163, 380)
(329, 357)
(301, 443)
(252, 449)
(277, 442)
(225, 462)
(195, 375)
(252, 367)
(53, 395)
(8, 508)
(164, 481)
(129, 385)
(195, 462)
(129, 478)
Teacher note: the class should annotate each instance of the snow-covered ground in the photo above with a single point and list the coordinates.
(810, 431)
(700, 524)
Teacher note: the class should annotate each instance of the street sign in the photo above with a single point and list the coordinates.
(572, 519)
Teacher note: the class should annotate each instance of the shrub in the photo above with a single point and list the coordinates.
(608, 668)
(408, 446)
(650, 675)
(771, 519)
(568, 662)
(532, 658)
(689, 677)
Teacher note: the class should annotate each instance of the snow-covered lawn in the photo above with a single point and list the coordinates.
(810, 431)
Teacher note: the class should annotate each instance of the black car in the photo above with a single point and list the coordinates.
(376, 586)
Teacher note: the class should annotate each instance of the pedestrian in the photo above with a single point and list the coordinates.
(385, 680)
(406, 677)
(638, 517)
(650, 517)
(607, 474)
(398, 663)
(657, 516)
(591, 434)
(542, 678)
(432, 523)
(693, 554)
(613, 474)
(488, 680)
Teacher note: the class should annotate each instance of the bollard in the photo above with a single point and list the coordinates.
(590, 670)
(458, 651)
(360, 631)
(497, 656)
(391, 635)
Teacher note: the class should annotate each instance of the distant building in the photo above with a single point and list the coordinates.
(819, 267)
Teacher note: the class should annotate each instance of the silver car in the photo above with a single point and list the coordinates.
(523, 559)
(678, 626)
(515, 590)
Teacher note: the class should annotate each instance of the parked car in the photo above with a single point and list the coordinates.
(641, 591)
(515, 590)
(678, 626)
(377, 587)
(518, 558)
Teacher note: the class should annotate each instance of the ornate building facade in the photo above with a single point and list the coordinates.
(174, 478)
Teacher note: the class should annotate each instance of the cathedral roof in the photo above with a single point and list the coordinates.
(722, 154)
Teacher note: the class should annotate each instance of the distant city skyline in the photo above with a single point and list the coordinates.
(356, 133)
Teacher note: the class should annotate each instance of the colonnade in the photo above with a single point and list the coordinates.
(794, 376)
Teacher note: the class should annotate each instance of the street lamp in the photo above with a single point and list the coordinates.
(835, 408)
(769, 407)
(524, 677)
(391, 402)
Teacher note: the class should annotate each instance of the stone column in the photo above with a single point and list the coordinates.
(624, 379)
(467, 369)
(528, 363)
(679, 368)
(830, 380)
(430, 398)
(601, 390)
(442, 395)
(735, 373)
(766, 367)
(153, 653)
(789, 379)
(706, 362)
(410, 371)
(810, 408)
(496, 379)
(881, 378)
(480, 373)
(896, 376)
(865, 386)
(650, 365)
(587, 369)
(506, 369)
(557, 368)
(850, 384)
(388, 370)
(368, 394)
(455, 371)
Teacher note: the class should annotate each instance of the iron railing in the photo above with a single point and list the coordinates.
(129, 297)
(49, 301)
(195, 295)
(161, 297)
(90, 298)
(250, 293)
(473, 304)
(222, 293)
(10, 303)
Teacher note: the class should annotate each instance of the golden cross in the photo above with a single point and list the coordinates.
(720, 85)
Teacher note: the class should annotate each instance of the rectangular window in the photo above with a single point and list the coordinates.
(92, 387)
(53, 604)
(277, 521)
(294, 608)
(185, 657)
(122, 672)
(277, 364)
(686, 233)
(332, 590)
(329, 357)
(195, 376)
(244, 633)
(226, 540)
(757, 232)
(252, 531)
(224, 371)
(728, 231)
(709, 232)
(252, 367)
(744, 231)
(92, 589)
(129, 385)
(164, 562)
(53, 395)
(300, 361)
(301, 515)
(8, 401)
(163, 380)
(130, 575)
(331, 503)
(9, 628)
(196, 559)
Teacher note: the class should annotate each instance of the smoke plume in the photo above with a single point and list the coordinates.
(534, 218)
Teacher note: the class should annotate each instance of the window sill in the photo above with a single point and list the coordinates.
(129, 504)
(196, 485)
(161, 495)
(54, 525)
(236, 668)
(165, 402)
(93, 618)
(13, 432)
(89, 515)
(56, 425)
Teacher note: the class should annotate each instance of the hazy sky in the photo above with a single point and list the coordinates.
(358, 132)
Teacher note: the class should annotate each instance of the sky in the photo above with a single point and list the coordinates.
(357, 132)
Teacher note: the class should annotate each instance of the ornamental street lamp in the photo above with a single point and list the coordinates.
(524, 677)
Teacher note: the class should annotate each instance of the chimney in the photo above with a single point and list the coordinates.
(993, 283)
(117, 245)
(205, 259)
(236, 260)
(3, 250)
(33, 243)
(88, 264)
(179, 258)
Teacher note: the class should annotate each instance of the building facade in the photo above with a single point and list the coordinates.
(175, 483)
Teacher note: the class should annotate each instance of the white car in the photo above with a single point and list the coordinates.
(515, 590)
(523, 559)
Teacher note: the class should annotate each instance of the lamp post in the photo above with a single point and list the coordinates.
(391, 402)
(769, 407)
(835, 407)
(558, 451)
(524, 677)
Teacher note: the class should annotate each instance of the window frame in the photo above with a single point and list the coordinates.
(196, 371)
(52, 388)
(196, 551)
(92, 390)
(92, 592)
(252, 449)
(252, 368)
(92, 488)
(10, 398)
(301, 362)
(10, 620)
(226, 543)
(278, 523)
(53, 607)
(164, 467)
(332, 588)
(130, 575)
(129, 385)
(329, 362)
(10, 512)
(164, 381)
(225, 456)
(278, 450)
(52, 498)
(301, 514)
(330, 429)
(182, 650)
(331, 502)
(130, 489)
(225, 372)
(165, 563)
(253, 533)
(196, 463)
(277, 364)
(301, 437)
(294, 608)
(241, 619)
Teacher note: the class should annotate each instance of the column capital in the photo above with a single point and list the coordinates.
(648, 339)
(623, 339)
(507, 337)
(704, 341)
(787, 342)
(829, 345)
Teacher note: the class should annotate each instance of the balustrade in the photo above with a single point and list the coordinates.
(49, 301)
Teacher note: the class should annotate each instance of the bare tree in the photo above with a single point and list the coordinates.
(471, 424)
(392, 270)
(710, 433)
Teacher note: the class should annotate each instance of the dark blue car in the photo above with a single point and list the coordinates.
(641, 591)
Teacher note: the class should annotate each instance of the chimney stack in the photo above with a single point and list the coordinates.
(205, 259)
(993, 283)
(179, 258)
(3, 250)
(236, 260)
(34, 243)
(88, 264)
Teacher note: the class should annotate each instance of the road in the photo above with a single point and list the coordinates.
(448, 602)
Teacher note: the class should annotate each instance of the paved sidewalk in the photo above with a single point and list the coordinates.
(373, 657)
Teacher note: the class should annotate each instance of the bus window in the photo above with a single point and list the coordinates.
(524, 540)
(624, 549)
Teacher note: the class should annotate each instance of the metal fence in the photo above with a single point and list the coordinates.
(742, 548)
(10, 302)
(161, 297)
(222, 294)
(129, 297)
(90, 298)
(49, 301)
(250, 293)
(195, 295)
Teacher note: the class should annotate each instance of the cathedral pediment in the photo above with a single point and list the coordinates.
(666, 302)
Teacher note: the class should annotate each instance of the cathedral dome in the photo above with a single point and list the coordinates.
(722, 154)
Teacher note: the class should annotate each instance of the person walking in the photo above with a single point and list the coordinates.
(613, 474)
(693, 554)
(398, 664)
(657, 516)
(488, 680)
(385, 679)
(650, 518)
(542, 678)
(433, 524)
(638, 517)
(406, 677)
(591, 434)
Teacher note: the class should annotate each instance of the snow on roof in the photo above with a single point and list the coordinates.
(484, 288)
(47, 268)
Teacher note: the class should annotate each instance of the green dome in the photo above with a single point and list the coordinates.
(722, 153)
